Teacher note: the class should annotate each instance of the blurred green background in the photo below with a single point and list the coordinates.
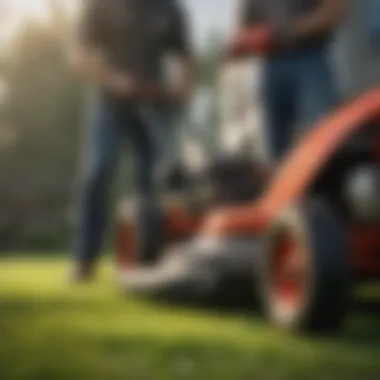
(42, 112)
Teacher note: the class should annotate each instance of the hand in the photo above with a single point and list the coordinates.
(255, 40)
(180, 94)
(122, 85)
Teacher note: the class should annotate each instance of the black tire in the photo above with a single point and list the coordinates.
(326, 285)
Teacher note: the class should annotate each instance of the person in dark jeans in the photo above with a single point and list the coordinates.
(298, 85)
(121, 46)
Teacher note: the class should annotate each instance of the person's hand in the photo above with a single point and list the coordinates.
(180, 93)
(255, 40)
(122, 85)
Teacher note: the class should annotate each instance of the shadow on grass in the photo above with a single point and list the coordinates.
(370, 308)
(362, 328)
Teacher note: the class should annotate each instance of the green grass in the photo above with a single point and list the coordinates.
(49, 330)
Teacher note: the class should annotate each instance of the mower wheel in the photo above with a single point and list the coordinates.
(306, 273)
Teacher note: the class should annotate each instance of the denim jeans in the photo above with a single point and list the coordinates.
(146, 128)
(374, 22)
(298, 89)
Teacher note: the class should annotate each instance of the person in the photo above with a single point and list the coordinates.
(297, 85)
(121, 47)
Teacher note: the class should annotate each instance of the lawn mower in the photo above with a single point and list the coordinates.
(298, 239)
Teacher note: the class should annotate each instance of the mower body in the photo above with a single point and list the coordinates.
(310, 233)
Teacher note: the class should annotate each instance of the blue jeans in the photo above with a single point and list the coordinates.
(146, 127)
(297, 90)
(374, 21)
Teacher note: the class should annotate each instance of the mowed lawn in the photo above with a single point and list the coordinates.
(49, 330)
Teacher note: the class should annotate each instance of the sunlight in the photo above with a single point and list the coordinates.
(19, 9)
(15, 12)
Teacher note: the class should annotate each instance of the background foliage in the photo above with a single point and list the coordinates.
(41, 119)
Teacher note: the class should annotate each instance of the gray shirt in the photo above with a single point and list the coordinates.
(136, 34)
(280, 14)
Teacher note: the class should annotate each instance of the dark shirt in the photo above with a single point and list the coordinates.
(136, 34)
(281, 14)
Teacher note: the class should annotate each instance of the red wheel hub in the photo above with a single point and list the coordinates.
(288, 273)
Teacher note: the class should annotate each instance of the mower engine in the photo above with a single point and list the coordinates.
(226, 179)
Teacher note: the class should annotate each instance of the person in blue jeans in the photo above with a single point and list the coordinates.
(120, 48)
(298, 87)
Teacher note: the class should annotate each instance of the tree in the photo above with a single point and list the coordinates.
(41, 112)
